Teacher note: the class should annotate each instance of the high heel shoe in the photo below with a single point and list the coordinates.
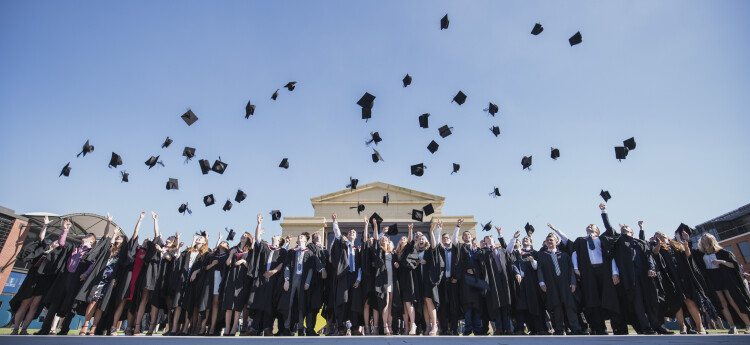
(113, 331)
(387, 330)
(433, 330)
(413, 329)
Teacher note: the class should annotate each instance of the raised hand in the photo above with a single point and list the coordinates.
(143, 213)
(47, 221)
(640, 224)
(333, 216)
(685, 236)
(411, 226)
(67, 224)
(154, 215)
(517, 234)
(459, 222)
(550, 226)
(602, 207)
(109, 218)
(499, 230)
(440, 223)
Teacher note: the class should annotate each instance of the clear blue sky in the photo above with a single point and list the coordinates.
(672, 74)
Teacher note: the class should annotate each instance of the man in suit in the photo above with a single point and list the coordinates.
(347, 261)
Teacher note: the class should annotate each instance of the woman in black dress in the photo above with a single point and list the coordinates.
(215, 274)
(237, 284)
(407, 260)
(145, 275)
(120, 290)
(386, 282)
(428, 276)
(160, 298)
(190, 281)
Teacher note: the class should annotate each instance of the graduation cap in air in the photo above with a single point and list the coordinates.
(87, 148)
(433, 146)
(526, 162)
(352, 183)
(205, 166)
(418, 169)
(151, 162)
(208, 200)
(456, 166)
(621, 152)
(407, 80)
(184, 208)
(495, 192)
(275, 94)
(554, 153)
(684, 227)
(376, 157)
(275, 215)
(487, 227)
(444, 22)
(495, 130)
(386, 199)
(605, 195)
(460, 98)
(575, 39)
(65, 170)
(537, 29)
(428, 209)
(377, 217)
(367, 101)
(417, 215)
(290, 85)
(219, 166)
(167, 142)
(240, 196)
(375, 138)
(249, 110)
(445, 131)
(201, 233)
(492, 109)
(392, 229)
(115, 160)
(230, 235)
(125, 176)
(284, 163)
(173, 184)
(629, 143)
(188, 153)
(189, 117)
(227, 206)
(359, 208)
(529, 229)
(423, 120)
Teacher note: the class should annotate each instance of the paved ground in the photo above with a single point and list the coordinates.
(547, 340)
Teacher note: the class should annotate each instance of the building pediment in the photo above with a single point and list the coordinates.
(374, 192)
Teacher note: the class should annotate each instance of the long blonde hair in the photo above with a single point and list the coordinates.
(709, 245)
(400, 248)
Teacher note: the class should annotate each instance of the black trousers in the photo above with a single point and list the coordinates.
(447, 317)
(344, 311)
(63, 303)
(646, 313)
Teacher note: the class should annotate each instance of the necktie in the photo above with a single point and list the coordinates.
(554, 261)
(498, 261)
(351, 259)
(590, 242)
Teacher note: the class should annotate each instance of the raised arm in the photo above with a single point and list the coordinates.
(410, 236)
(138, 225)
(457, 230)
(44, 229)
(258, 231)
(106, 227)
(641, 234)
(364, 237)
(336, 230)
(437, 232)
(375, 229)
(563, 238)
(155, 216)
(64, 235)
(605, 218)
(218, 240)
(512, 243)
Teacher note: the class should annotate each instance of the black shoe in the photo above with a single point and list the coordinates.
(690, 331)
(664, 331)
(558, 333)
(649, 331)
(618, 332)
(63, 332)
(580, 333)
(285, 333)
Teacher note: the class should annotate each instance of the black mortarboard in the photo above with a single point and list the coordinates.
(65, 170)
(377, 217)
(125, 176)
(115, 160)
(359, 208)
(605, 195)
(151, 162)
(393, 230)
(205, 166)
(575, 39)
(529, 229)
(495, 130)
(487, 227)
(460, 98)
(219, 166)
(86, 149)
(621, 152)
(352, 183)
(537, 29)
(428, 209)
(240, 196)
(376, 157)
(629, 143)
(433, 146)
(375, 138)
(167, 142)
(386, 199)
(407, 80)
(456, 166)
(418, 169)
(249, 110)
(275, 94)
(417, 215)
(208, 200)
(230, 235)
(227, 206)
(445, 131)
(555, 153)
(290, 85)
(526, 162)
(201, 233)
(444, 22)
(284, 163)
(492, 109)
(188, 153)
(495, 192)
(367, 101)
(366, 113)
(173, 184)
(423, 120)
(184, 208)
(189, 117)
(275, 215)
(684, 227)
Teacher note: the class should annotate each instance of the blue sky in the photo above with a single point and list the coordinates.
(672, 74)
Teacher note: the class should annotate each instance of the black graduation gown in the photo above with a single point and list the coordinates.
(62, 284)
(32, 253)
(731, 277)
(682, 283)
(558, 287)
(162, 289)
(499, 294)
(471, 297)
(97, 256)
(629, 277)
(344, 292)
(449, 298)
(308, 265)
(381, 280)
(428, 276)
(268, 290)
(209, 278)
(197, 295)
(367, 284)
(592, 296)
(528, 293)
(317, 283)
(407, 264)
(236, 282)
(119, 286)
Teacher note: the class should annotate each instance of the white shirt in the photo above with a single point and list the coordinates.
(708, 260)
(448, 257)
(270, 259)
(300, 255)
(595, 256)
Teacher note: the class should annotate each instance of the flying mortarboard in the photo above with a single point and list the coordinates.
(240, 196)
(173, 184)
(65, 170)
(375, 138)
(275, 94)
(230, 235)
(205, 166)
(376, 157)
(575, 39)
(433, 146)
(495, 130)
(219, 166)
(367, 101)
(249, 110)
(188, 153)
(189, 117)
(184, 208)
(621, 152)
(417, 215)
(495, 192)
(456, 166)
(352, 183)
(526, 162)
(423, 120)
(629, 143)
(290, 85)
(386, 199)
(529, 229)
(418, 169)
(407, 80)
(460, 98)
(227, 206)
(115, 160)
(445, 131)
(151, 162)
(284, 163)
(554, 153)
(201, 233)
(377, 217)
(684, 227)
(537, 29)
(275, 215)
(393, 230)
(125, 176)
(428, 209)
(167, 142)
(605, 195)
(359, 208)
(86, 149)
(366, 114)
(487, 227)
(492, 109)
(208, 200)
(444, 22)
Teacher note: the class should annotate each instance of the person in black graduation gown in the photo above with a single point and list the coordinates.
(495, 268)
(269, 264)
(189, 282)
(558, 283)
(724, 281)
(367, 286)
(237, 284)
(450, 310)
(406, 261)
(467, 275)
(214, 288)
(149, 254)
(348, 262)
(160, 298)
(528, 305)
(317, 284)
(298, 268)
(428, 276)
(385, 282)
(61, 296)
(197, 296)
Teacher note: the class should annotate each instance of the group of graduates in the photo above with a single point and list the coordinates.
(424, 283)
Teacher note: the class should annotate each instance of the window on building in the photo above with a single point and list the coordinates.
(745, 250)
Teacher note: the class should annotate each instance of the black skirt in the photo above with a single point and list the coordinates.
(718, 280)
